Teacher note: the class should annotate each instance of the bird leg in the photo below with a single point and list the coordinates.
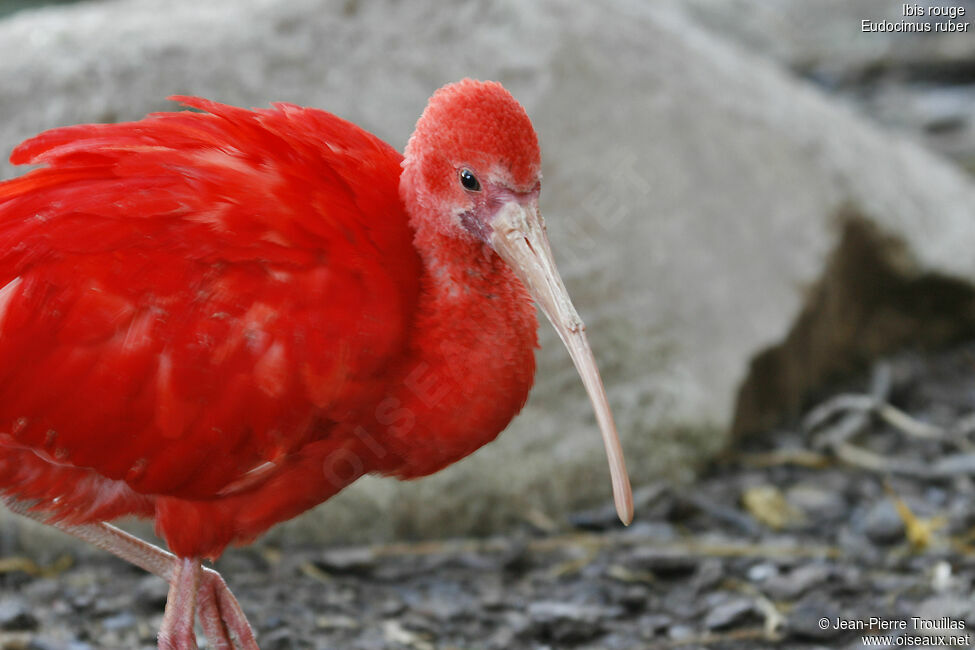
(221, 616)
(223, 620)
(176, 631)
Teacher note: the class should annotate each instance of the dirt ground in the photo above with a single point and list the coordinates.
(851, 524)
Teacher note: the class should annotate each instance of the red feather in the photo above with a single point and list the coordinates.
(191, 296)
(219, 319)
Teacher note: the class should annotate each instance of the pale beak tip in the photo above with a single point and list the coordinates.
(625, 511)
(623, 498)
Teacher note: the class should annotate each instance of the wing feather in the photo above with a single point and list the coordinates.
(188, 297)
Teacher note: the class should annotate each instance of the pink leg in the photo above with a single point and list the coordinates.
(223, 620)
(176, 632)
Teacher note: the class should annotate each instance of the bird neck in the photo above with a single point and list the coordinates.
(465, 283)
(472, 358)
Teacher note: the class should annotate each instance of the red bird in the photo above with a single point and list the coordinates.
(219, 319)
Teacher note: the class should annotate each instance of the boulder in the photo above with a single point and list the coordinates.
(732, 238)
(827, 39)
(915, 82)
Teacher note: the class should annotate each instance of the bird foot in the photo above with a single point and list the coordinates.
(195, 591)
(223, 620)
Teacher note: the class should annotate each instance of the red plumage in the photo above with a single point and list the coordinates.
(202, 311)
(219, 319)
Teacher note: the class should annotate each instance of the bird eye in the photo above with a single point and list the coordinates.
(469, 181)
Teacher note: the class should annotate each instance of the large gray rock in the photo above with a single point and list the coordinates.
(708, 212)
(916, 82)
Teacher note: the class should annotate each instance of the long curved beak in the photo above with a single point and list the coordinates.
(518, 236)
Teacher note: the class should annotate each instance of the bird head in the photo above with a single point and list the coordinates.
(473, 150)
(472, 168)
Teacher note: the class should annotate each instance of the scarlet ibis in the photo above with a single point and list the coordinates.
(219, 318)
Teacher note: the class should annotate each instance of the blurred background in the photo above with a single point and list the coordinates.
(13, 6)
(764, 211)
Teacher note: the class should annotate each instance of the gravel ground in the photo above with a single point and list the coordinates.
(862, 509)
